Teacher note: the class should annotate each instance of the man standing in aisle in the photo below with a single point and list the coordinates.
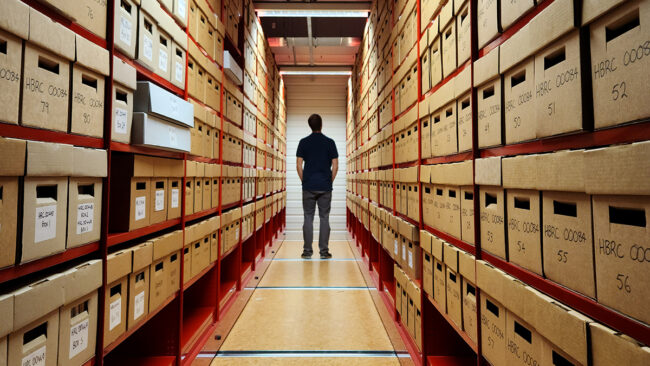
(319, 154)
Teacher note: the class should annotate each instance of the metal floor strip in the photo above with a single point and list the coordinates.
(344, 288)
(304, 354)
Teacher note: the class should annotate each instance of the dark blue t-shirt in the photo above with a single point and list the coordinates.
(317, 150)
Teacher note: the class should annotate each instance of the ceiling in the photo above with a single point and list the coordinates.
(313, 41)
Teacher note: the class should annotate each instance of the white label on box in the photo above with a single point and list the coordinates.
(125, 30)
(173, 139)
(396, 247)
(410, 259)
(403, 252)
(85, 215)
(162, 60)
(79, 338)
(45, 226)
(160, 200)
(236, 235)
(182, 8)
(148, 48)
(175, 197)
(140, 208)
(179, 72)
(36, 358)
(115, 314)
(120, 120)
(138, 310)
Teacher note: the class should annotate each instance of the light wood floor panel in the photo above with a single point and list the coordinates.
(329, 320)
(313, 274)
(300, 361)
(293, 249)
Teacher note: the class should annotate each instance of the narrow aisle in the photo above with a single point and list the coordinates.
(315, 312)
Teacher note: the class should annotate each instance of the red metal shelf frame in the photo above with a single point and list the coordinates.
(144, 150)
(10, 273)
(460, 332)
(200, 275)
(29, 133)
(451, 240)
(117, 238)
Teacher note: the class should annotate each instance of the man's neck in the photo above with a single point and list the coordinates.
(316, 132)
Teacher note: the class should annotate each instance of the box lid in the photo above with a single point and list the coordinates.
(7, 311)
(454, 174)
(491, 280)
(118, 265)
(467, 266)
(200, 112)
(167, 244)
(142, 255)
(520, 172)
(462, 82)
(487, 67)
(488, 171)
(152, 99)
(437, 248)
(37, 299)
(609, 347)
(409, 175)
(425, 241)
(123, 73)
(451, 256)
(442, 96)
(622, 169)
(13, 155)
(91, 56)
(49, 159)
(14, 17)
(82, 280)
(88, 162)
(570, 163)
(50, 35)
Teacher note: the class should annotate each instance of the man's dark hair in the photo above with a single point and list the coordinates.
(315, 122)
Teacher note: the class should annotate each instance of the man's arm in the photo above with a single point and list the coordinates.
(299, 167)
(335, 168)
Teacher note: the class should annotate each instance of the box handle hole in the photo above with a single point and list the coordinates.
(554, 58)
(622, 26)
(491, 307)
(490, 199)
(627, 216)
(86, 189)
(522, 203)
(48, 65)
(34, 333)
(523, 332)
(47, 192)
(565, 208)
(518, 78)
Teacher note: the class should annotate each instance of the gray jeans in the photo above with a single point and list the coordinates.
(309, 201)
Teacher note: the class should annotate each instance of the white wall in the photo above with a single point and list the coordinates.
(326, 96)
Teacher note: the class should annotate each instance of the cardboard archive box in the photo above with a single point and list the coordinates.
(462, 85)
(519, 91)
(160, 191)
(410, 236)
(410, 177)
(618, 63)
(124, 84)
(85, 196)
(147, 34)
(46, 73)
(415, 315)
(492, 205)
(439, 274)
(175, 170)
(7, 325)
(201, 247)
(621, 208)
(467, 269)
(399, 281)
(444, 140)
(125, 27)
(493, 314)
(450, 178)
(190, 177)
(567, 241)
(131, 174)
(45, 199)
(78, 315)
(11, 169)
(198, 187)
(609, 347)
(163, 247)
(488, 83)
(215, 227)
(118, 267)
(149, 130)
(425, 62)
(139, 284)
(207, 186)
(427, 262)
(463, 32)
(35, 335)
(523, 207)
(89, 70)
(14, 29)
(453, 285)
(448, 45)
(488, 21)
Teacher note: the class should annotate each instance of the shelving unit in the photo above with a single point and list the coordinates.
(444, 343)
(182, 323)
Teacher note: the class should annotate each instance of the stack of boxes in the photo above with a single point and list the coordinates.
(570, 216)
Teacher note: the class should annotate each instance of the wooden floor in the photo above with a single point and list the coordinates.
(309, 312)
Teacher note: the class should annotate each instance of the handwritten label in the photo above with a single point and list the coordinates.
(396, 247)
(403, 252)
(175, 193)
(120, 120)
(125, 30)
(140, 208)
(36, 358)
(138, 310)
(148, 48)
(160, 200)
(79, 338)
(85, 215)
(179, 72)
(115, 313)
(411, 259)
(162, 60)
(45, 223)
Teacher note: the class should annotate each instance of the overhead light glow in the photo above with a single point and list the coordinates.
(306, 72)
(312, 13)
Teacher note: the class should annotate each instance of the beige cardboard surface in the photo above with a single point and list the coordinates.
(49, 159)
(493, 330)
(467, 214)
(43, 347)
(609, 347)
(11, 63)
(488, 171)
(119, 264)
(524, 343)
(519, 90)
(621, 233)
(14, 18)
(489, 113)
(38, 299)
(470, 324)
(50, 35)
(567, 240)
(493, 225)
(619, 169)
(84, 211)
(78, 329)
(524, 228)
